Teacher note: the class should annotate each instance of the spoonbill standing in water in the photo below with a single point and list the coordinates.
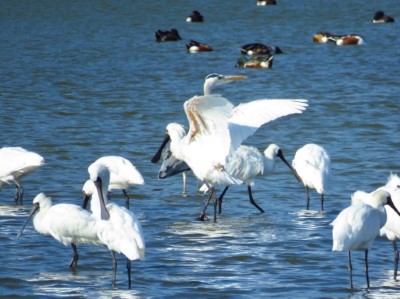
(17, 162)
(69, 224)
(122, 174)
(357, 226)
(313, 165)
(391, 229)
(217, 129)
(117, 227)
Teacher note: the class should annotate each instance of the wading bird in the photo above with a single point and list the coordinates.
(117, 227)
(247, 163)
(217, 129)
(391, 229)
(67, 223)
(17, 162)
(357, 226)
(313, 165)
(122, 174)
(171, 165)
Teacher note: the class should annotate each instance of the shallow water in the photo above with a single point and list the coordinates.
(82, 80)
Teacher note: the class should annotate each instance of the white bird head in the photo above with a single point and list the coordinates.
(40, 202)
(273, 151)
(173, 132)
(213, 80)
(381, 197)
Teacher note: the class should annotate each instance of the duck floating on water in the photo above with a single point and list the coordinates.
(165, 36)
(195, 17)
(255, 62)
(348, 40)
(380, 17)
(259, 49)
(195, 47)
(339, 40)
(265, 2)
(325, 37)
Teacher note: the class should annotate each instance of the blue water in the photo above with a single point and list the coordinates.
(83, 79)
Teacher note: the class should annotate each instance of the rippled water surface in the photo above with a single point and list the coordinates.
(83, 79)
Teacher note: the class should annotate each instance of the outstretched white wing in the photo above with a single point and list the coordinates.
(248, 117)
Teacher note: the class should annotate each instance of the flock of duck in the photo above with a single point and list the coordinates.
(212, 149)
(259, 55)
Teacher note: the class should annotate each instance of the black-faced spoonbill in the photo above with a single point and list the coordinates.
(117, 227)
(217, 129)
(122, 174)
(313, 165)
(15, 163)
(391, 229)
(69, 224)
(357, 226)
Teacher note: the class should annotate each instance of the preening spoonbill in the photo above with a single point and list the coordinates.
(172, 166)
(16, 162)
(247, 163)
(122, 174)
(391, 229)
(217, 129)
(67, 223)
(117, 227)
(313, 165)
(357, 226)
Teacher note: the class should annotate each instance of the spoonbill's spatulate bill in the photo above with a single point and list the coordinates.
(117, 227)
(357, 226)
(17, 162)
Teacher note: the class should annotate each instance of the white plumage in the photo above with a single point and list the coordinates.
(117, 227)
(15, 163)
(391, 229)
(69, 224)
(248, 163)
(357, 226)
(122, 174)
(313, 165)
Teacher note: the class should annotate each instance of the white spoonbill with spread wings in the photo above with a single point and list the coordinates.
(313, 165)
(217, 129)
(15, 163)
(357, 226)
(117, 227)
